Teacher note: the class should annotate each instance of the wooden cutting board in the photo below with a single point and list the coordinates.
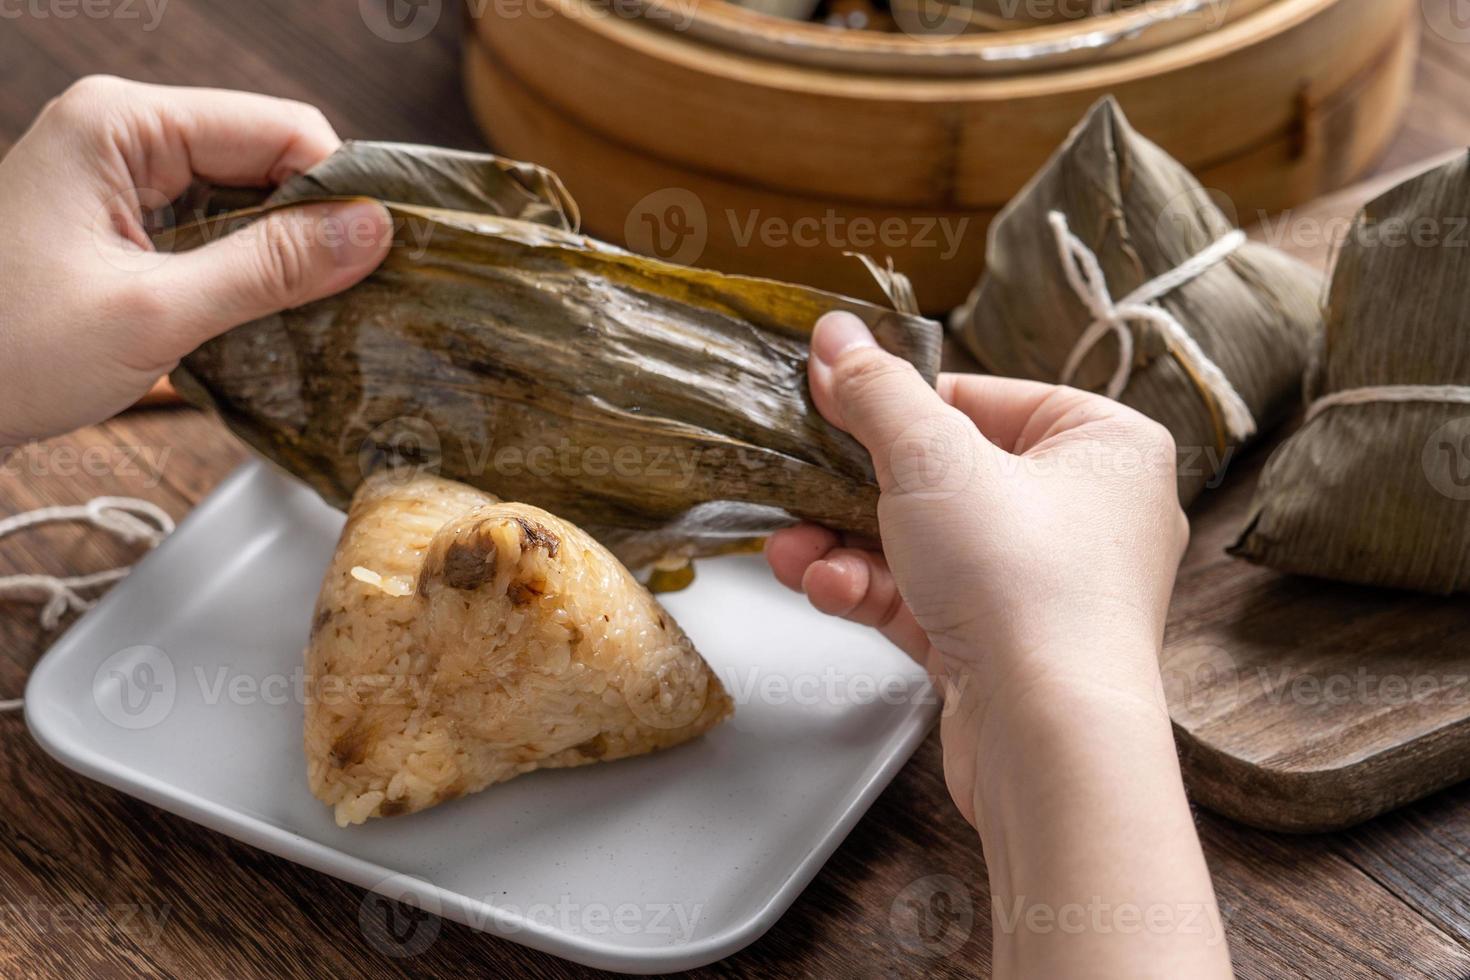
(1300, 704)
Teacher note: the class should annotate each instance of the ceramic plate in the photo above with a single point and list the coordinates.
(184, 687)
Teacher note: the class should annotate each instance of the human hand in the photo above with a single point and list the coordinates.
(1030, 537)
(90, 315)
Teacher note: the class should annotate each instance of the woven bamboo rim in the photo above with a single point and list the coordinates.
(1090, 40)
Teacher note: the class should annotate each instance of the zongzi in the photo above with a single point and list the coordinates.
(662, 408)
(1375, 486)
(459, 642)
(1209, 332)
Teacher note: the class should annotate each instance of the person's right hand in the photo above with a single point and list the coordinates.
(1030, 536)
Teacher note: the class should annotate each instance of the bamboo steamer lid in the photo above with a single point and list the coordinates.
(702, 152)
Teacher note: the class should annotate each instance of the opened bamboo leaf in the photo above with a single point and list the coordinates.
(664, 408)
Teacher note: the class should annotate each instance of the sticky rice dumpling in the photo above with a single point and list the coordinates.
(1113, 270)
(1375, 486)
(460, 641)
(662, 408)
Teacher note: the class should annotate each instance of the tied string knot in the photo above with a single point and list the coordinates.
(133, 521)
(1085, 275)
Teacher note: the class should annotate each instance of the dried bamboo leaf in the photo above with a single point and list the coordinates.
(1254, 314)
(1379, 492)
(433, 177)
(663, 408)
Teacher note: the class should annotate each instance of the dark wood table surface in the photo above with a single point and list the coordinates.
(94, 883)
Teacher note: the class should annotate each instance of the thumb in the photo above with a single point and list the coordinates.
(287, 258)
(917, 441)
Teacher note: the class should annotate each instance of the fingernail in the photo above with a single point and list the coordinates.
(837, 333)
(359, 232)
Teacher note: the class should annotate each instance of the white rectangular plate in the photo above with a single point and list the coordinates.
(184, 687)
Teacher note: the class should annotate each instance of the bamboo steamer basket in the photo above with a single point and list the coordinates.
(691, 146)
(1009, 52)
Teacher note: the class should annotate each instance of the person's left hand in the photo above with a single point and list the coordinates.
(90, 315)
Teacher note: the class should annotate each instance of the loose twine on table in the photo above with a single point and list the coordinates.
(1085, 275)
(120, 516)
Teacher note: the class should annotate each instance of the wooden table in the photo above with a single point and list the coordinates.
(95, 883)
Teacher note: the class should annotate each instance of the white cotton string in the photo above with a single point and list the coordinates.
(120, 516)
(1452, 394)
(1085, 275)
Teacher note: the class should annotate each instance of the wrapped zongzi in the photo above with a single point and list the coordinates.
(662, 408)
(1375, 487)
(1113, 270)
(459, 642)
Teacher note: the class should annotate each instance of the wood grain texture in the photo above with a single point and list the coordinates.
(82, 867)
